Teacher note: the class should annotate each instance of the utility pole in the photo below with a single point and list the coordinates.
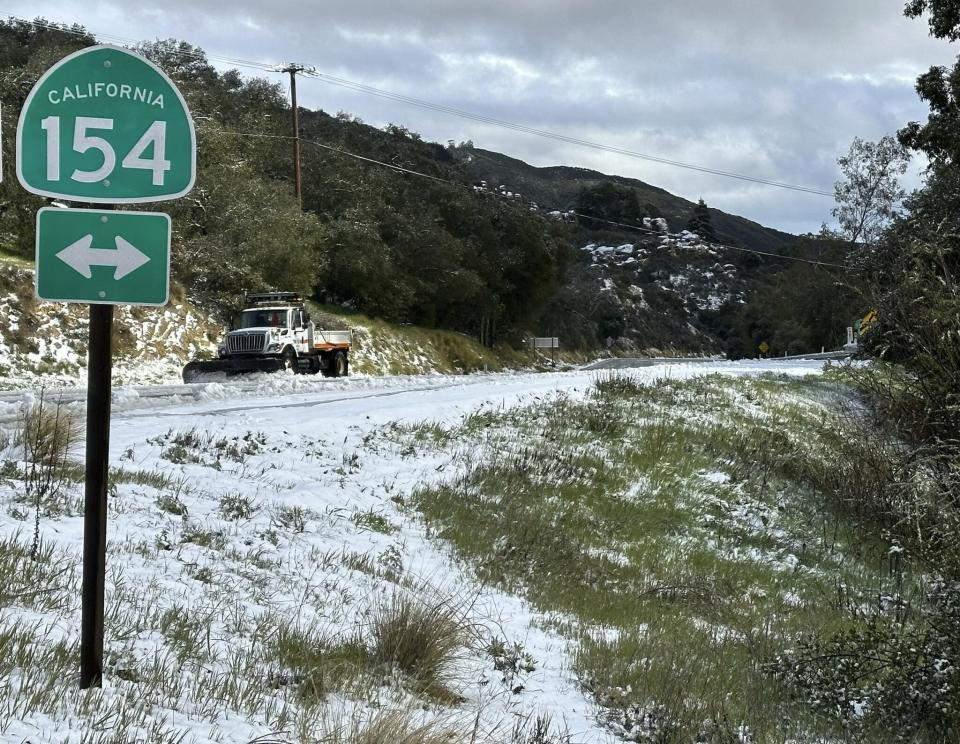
(293, 69)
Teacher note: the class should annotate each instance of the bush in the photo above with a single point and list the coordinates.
(886, 676)
(899, 671)
(910, 485)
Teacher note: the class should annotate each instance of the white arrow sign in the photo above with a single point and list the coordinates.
(80, 256)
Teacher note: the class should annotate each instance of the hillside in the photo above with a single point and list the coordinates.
(397, 229)
(557, 187)
(44, 344)
(676, 291)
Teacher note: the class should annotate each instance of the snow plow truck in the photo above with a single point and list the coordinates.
(273, 333)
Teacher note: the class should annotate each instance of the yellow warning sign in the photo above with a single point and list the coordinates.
(764, 347)
(868, 320)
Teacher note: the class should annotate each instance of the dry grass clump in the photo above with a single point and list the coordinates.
(397, 725)
(538, 729)
(47, 433)
(420, 634)
(615, 383)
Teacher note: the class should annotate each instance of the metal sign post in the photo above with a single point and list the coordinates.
(546, 342)
(99, 372)
(103, 126)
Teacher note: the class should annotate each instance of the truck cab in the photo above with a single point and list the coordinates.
(283, 331)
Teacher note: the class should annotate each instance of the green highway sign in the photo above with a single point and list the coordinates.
(106, 126)
(103, 257)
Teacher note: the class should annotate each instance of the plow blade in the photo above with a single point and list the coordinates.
(197, 371)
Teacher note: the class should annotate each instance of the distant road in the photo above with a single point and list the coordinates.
(631, 362)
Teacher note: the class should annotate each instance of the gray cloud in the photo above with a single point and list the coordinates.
(763, 87)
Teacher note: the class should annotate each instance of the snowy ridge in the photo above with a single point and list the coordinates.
(44, 343)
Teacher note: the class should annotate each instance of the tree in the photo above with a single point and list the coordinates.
(939, 87)
(911, 273)
(27, 50)
(701, 224)
(869, 194)
(913, 277)
(944, 16)
(238, 232)
(608, 202)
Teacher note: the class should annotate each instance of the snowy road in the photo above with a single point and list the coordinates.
(320, 390)
(317, 407)
(429, 395)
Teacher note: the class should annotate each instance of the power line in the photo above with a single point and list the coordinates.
(341, 151)
(311, 72)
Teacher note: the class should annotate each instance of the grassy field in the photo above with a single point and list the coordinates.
(674, 535)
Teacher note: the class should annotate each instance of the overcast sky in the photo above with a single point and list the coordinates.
(775, 89)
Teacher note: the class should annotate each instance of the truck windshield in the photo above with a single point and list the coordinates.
(263, 319)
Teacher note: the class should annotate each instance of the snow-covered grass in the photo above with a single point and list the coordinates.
(260, 579)
(560, 545)
(668, 532)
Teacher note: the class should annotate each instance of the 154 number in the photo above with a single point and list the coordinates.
(155, 137)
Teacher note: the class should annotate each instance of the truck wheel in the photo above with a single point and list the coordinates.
(340, 365)
(289, 357)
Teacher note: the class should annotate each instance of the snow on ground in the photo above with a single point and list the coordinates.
(319, 449)
(45, 342)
